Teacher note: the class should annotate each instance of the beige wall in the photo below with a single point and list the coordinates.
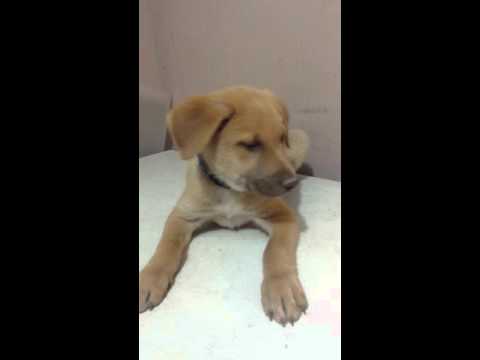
(292, 47)
(154, 99)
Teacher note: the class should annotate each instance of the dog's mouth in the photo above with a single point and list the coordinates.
(271, 188)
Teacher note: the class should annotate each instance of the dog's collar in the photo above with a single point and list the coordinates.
(212, 177)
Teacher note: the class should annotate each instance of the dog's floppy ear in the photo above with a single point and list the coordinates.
(193, 123)
(299, 145)
(283, 110)
(280, 106)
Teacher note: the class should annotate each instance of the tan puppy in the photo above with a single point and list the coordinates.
(242, 159)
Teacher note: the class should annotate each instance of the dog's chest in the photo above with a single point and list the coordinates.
(231, 214)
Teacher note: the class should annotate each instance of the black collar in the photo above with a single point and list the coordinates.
(206, 171)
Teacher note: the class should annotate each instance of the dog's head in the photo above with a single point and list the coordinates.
(242, 134)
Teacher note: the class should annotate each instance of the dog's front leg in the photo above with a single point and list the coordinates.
(283, 297)
(158, 275)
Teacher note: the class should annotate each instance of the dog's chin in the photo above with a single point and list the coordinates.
(237, 184)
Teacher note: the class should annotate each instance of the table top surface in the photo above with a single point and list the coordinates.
(213, 311)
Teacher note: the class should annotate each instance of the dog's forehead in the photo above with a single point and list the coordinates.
(258, 115)
(250, 125)
(260, 111)
(256, 110)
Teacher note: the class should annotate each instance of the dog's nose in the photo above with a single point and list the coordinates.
(290, 182)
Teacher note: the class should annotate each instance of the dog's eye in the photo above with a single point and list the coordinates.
(253, 146)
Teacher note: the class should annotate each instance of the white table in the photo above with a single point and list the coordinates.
(214, 311)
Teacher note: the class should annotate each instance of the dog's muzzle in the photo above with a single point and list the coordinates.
(274, 186)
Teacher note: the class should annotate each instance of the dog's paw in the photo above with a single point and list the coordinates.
(153, 288)
(283, 298)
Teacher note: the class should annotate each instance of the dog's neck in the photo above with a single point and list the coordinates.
(212, 177)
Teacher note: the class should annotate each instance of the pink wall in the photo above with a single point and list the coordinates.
(292, 47)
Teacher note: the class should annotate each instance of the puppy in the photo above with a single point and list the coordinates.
(242, 158)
